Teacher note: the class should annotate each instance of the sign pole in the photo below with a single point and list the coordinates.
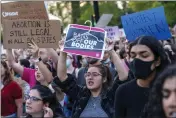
(96, 10)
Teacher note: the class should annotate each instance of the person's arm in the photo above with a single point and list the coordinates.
(66, 81)
(45, 71)
(16, 54)
(19, 104)
(15, 66)
(122, 73)
(61, 67)
(53, 55)
(42, 67)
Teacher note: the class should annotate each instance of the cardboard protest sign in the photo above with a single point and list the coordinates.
(81, 40)
(23, 10)
(112, 32)
(18, 33)
(149, 22)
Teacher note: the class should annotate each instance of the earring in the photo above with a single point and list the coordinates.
(104, 80)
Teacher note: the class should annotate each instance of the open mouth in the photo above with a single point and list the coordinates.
(38, 76)
(90, 83)
(27, 107)
(172, 114)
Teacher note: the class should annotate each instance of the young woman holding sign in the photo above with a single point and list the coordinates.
(94, 100)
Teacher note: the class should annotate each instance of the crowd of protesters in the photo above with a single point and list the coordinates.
(134, 80)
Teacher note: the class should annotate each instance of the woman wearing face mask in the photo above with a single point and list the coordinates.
(70, 68)
(11, 94)
(94, 100)
(162, 99)
(41, 103)
(147, 60)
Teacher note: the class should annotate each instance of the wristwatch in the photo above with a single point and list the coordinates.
(37, 60)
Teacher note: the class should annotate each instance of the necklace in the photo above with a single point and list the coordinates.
(95, 101)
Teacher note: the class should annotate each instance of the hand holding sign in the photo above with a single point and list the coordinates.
(17, 52)
(86, 41)
(109, 44)
(35, 49)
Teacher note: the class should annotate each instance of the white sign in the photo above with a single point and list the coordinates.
(104, 20)
(112, 32)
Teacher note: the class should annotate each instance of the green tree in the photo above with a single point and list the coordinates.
(170, 8)
(109, 7)
(86, 10)
(58, 9)
(82, 11)
(75, 11)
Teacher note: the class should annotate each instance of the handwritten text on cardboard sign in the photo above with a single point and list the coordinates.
(20, 32)
(149, 22)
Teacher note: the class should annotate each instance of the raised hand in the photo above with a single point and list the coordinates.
(109, 44)
(34, 49)
(16, 52)
(61, 44)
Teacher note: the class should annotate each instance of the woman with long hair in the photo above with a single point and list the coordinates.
(96, 99)
(162, 99)
(11, 94)
(41, 102)
(147, 60)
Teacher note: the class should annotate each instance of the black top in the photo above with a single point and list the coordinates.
(130, 100)
(80, 95)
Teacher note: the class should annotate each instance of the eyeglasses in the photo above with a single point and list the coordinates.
(93, 74)
(35, 99)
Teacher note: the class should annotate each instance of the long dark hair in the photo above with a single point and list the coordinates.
(7, 77)
(25, 63)
(156, 47)
(48, 97)
(154, 108)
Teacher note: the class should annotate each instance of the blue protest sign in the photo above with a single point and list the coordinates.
(82, 40)
(149, 22)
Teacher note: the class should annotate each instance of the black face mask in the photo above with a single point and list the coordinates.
(141, 69)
